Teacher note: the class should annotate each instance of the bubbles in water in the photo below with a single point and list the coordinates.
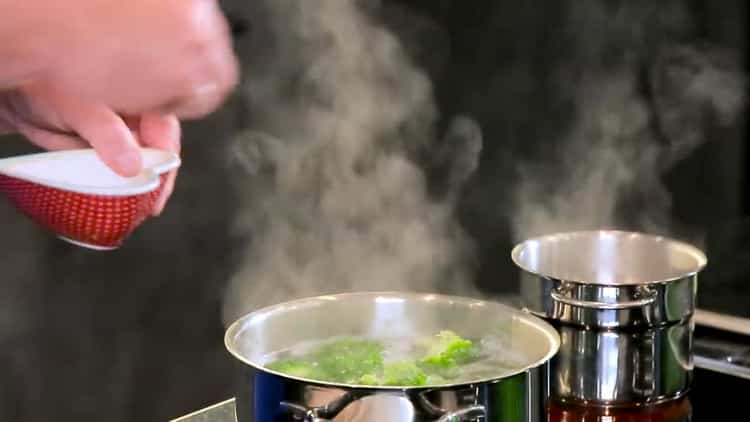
(497, 355)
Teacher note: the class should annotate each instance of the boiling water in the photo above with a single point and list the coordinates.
(497, 357)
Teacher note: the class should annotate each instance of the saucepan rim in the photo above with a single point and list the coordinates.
(700, 257)
(537, 326)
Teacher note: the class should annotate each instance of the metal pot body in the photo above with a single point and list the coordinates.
(622, 367)
(510, 396)
(266, 397)
(610, 306)
(623, 304)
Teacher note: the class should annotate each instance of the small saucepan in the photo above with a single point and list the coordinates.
(624, 305)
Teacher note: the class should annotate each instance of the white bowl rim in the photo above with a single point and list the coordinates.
(156, 162)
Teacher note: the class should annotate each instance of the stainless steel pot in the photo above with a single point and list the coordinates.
(263, 395)
(623, 303)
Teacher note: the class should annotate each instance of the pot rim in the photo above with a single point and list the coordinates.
(700, 257)
(541, 326)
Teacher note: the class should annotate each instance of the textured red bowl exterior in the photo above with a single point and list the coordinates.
(97, 220)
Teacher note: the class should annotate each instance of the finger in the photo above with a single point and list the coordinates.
(160, 131)
(109, 135)
(49, 140)
(203, 101)
(7, 118)
(161, 202)
(199, 103)
(98, 125)
(218, 72)
(133, 122)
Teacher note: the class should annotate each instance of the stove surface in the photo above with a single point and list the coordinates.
(221, 412)
(711, 390)
(721, 380)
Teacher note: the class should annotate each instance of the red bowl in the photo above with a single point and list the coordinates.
(75, 196)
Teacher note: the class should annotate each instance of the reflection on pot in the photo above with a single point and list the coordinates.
(635, 366)
(671, 411)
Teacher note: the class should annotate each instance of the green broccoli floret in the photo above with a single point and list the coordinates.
(369, 379)
(445, 351)
(403, 374)
(293, 367)
(355, 361)
(398, 374)
(347, 360)
(434, 379)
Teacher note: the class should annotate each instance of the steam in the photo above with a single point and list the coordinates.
(639, 108)
(334, 196)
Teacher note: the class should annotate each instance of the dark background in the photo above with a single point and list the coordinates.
(136, 334)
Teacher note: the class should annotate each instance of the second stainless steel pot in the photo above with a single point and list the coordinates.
(623, 303)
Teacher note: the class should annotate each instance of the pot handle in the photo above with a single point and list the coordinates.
(313, 415)
(301, 412)
(471, 412)
(648, 297)
(320, 414)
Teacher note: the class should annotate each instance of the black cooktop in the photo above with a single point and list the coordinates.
(713, 392)
(724, 285)
(722, 375)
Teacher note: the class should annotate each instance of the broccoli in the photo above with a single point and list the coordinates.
(434, 379)
(294, 367)
(403, 374)
(347, 360)
(355, 361)
(369, 379)
(398, 374)
(445, 351)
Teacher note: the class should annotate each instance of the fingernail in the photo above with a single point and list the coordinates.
(129, 163)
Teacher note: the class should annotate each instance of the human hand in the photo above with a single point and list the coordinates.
(167, 56)
(69, 85)
(54, 121)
